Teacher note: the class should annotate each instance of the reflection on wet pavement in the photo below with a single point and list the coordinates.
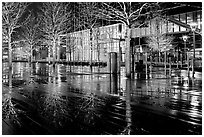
(42, 99)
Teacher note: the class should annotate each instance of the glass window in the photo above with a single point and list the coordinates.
(189, 17)
(142, 31)
(163, 27)
(199, 19)
(182, 29)
(133, 34)
(152, 27)
(113, 32)
(176, 17)
(147, 30)
(176, 27)
(136, 32)
(115, 47)
(183, 18)
(112, 46)
(170, 27)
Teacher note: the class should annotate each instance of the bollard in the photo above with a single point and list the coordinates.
(192, 66)
(188, 65)
(170, 67)
(114, 84)
(112, 63)
(146, 66)
(165, 62)
(151, 64)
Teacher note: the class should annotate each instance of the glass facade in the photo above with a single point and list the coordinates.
(199, 19)
(176, 27)
(106, 39)
(169, 27)
(189, 17)
(183, 20)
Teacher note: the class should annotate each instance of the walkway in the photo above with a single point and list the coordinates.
(51, 101)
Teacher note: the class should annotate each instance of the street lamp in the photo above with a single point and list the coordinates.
(193, 28)
(185, 39)
(120, 52)
(119, 46)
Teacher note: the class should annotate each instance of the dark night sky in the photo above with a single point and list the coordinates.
(187, 6)
(181, 7)
(34, 6)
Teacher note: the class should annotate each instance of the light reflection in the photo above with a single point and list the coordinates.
(58, 68)
(186, 82)
(51, 105)
(127, 129)
(159, 91)
(37, 67)
(173, 112)
(194, 112)
(194, 101)
(9, 112)
(113, 84)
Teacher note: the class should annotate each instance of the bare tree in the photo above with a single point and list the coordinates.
(11, 15)
(24, 49)
(55, 19)
(159, 41)
(88, 20)
(31, 34)
(97, 34)
(128, 14)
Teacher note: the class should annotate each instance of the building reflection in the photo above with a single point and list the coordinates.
(113, 82)
(127, 129)
(60, 94)
(10, 114)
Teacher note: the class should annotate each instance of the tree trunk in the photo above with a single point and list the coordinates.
(158, 49)
(91, 46)
(128, 54)
(70, 56)
(98, 49)
(58, 53)
(82, 52)
(54, 51)
(128, 113)
(49, 54)
(165, 64)
(73, 55)
(67, 53)
(120, 57)
(10, 51)
(82, 49)
(58, 49)
(31, 53)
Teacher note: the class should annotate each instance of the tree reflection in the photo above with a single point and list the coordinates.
(75, 106)
(114, 84)
(9, 111)
(58, 108)
(127, 129)
(86, 108)
(51, 105)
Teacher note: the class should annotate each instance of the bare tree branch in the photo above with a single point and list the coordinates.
(11, 20)
(56, 21)
(159, 41)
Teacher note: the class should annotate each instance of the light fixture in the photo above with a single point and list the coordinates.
(185, 38)
(193, 26)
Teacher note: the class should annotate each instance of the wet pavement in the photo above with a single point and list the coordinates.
(40, 99)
